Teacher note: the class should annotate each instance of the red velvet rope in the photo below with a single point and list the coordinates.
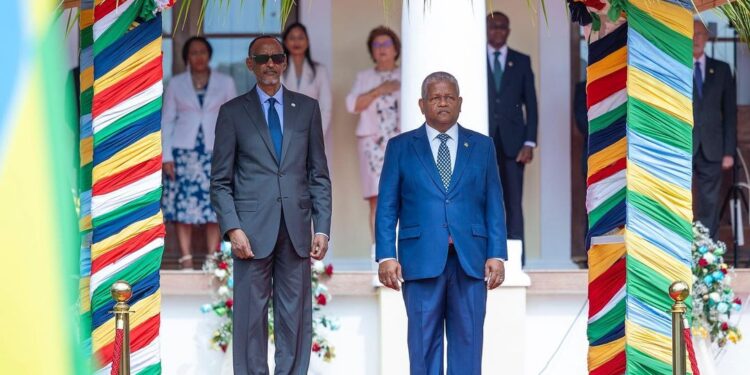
(117, 352)
(690, 349)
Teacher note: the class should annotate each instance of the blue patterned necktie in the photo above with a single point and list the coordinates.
(274, 126)
(698, 79)
(444, 160)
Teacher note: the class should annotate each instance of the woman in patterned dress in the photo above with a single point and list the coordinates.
(191, 106)
(375, 97)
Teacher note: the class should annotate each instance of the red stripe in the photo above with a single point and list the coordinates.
(604, 287)
(106, 7)
(130, 246)
(607, 171)
(139, 337)
(616, 365)
(604, 87)
(126, 177)
(143, 78)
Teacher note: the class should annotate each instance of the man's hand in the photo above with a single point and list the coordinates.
(389, 273)
(494, 273)
(319, 247)
(525, 155)
(727, 162)
(240, 244)
(168, 169)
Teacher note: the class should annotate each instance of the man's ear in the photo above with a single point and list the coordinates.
(421, 105)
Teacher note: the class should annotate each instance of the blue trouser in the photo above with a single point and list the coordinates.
(452, 303)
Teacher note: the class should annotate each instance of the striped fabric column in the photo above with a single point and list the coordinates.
(128, 230)
(659, 173)
(86, 150)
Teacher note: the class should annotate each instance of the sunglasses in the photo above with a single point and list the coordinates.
(263, 59)
(386, 44)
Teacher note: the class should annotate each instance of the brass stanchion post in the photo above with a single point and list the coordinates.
(679, 292)
(121, 293)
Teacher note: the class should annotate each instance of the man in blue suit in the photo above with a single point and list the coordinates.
(513, 116)
(440, 185)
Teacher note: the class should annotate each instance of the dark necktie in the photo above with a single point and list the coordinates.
(444, 160)
(698, 80)
(274, 126)
(497, 70)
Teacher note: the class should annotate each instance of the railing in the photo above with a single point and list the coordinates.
(121, 293)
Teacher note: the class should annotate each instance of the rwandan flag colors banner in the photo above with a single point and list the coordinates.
(38, 173)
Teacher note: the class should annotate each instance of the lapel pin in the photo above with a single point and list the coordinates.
(711, 71)
(510, 63)
(294, 105)
(466, 144)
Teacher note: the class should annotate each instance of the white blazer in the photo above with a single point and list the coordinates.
(182, 115)
(369, 119)
(317, 87)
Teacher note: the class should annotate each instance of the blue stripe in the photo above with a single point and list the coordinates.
(615, 218)
(87, 130)
(617, 332)
(142, 289)
(659, 160)
(648, 317)
(608, 136)
(130, 43)
(604, 47)
(85, 202)
(126, 137)
(104, 231)
(655, 233)
(644, 56)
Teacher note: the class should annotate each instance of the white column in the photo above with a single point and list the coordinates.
(447, 35)
(554, 139)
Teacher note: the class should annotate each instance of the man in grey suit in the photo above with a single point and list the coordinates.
(269, 180)
(714, 130)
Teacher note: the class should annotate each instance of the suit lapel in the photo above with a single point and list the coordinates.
(190, 90)
(709, 77)
(290, 120)
(255, 111)
(463, 153)
(507, 70)
(424, 154)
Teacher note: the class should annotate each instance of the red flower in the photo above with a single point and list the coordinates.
(329, 269)
(724, 326)
(737, 301)
(321, 299)
(223, 265)
(223, 347)
(315, 347)
(229, 303)
(702, 262)
(724, 271)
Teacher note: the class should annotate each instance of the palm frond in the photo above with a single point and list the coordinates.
(738, 13)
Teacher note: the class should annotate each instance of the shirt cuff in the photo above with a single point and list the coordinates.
(500, 259)
(531, 144)
(323, 234)
(384, 259)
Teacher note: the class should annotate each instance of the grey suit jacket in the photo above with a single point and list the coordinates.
(715, 114)
(250, 187)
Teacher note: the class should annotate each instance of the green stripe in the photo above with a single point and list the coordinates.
(640, 363)
(596, 214)
(84, 183)
(650, 286)
(137, 204)
(87, 37)
(674, 44)
(151, 370)
(653, 123)
(662, 215)
(118, 28)
(133, 273)
(127, 120)
(604, 325)
(87, 99)
(608, 118)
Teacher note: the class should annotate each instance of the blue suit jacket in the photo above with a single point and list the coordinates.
(412, 195)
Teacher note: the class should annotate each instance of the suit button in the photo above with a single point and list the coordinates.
(445, 225)
(447, 201)
(280, 174)
(278, 199)
(497, 100)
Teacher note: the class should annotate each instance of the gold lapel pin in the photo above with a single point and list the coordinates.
(466, 144)
(711, 71)
(510, 63)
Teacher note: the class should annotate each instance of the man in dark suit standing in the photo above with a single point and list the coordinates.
(512, 115)
(269, 180)
(440, 185)
(714, 129)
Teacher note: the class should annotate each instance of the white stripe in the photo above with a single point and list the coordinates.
(147, 356)
(127, 106)
(106, 203)
(105, 22)
(599, 192)
(617, 298)
(105, 273)
(611, 102)
(606, 240)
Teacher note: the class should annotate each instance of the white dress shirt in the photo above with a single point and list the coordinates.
(702, 61)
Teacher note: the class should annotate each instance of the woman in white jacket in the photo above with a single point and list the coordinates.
(191, 106)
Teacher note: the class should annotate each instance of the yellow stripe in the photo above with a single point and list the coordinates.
(650, 90)
(675, 198)
(104, 246)
(129, 66)
(647, 341)
(607, 156)
(86, 18)
(608, 65)
(144, 149)
(83, 292)
(84, 223)
(87, 78)
(672, 16)
(143, 310)
(602, 257)
(87, 150)
(601, 354)
(656, 259)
